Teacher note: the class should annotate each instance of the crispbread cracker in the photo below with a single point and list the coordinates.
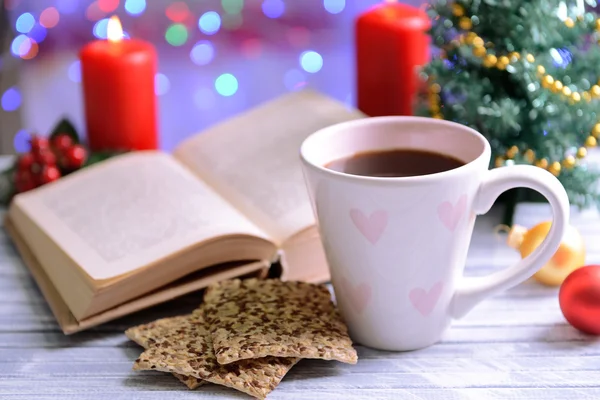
(258, 318)
(144, 335)
(186, 349)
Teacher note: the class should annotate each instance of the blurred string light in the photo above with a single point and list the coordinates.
(334, 6)
(178, 12)
(176, 35)
(135, 7)
(38, 33)
(311, 61)
(74, 71)
(100, 27)
(49, 17)
(67, 6)
(294, 79)
(273, 8)
(33, 50)
(20, 45)
(209, 23)
(93, 12)
(204, 99)
(251, 48)
(232, 21)
(24, 23)
(226, 85)
(202, 53)
(161, 84)
(108, 5)
(298, 36)
(11, 99)
(232, 6)
(21, 141)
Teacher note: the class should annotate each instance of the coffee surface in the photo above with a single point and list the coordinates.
(395, 163)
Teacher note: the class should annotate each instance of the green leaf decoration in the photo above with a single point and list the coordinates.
(65, 127)
(97, 157)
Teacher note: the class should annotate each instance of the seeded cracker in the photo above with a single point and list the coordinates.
(186, 349)
(144, 335)
(259, 318)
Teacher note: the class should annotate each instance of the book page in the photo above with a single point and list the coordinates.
(253, 160)
(131, 211)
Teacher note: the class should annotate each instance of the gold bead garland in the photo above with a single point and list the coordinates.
(490, 60)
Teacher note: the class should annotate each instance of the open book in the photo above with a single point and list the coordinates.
(228, 202)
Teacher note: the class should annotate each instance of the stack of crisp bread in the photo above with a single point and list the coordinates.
(246, 335)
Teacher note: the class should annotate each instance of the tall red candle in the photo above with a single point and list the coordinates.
(391, 43)
(118, 89)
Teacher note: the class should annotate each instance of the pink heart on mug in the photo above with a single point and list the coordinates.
(371, 227)
(359, 295)
(450, 214)
(424, 301)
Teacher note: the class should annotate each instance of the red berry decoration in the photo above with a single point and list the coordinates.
(45, 158)
(49, 174)
(75, 157)
(38, 143)
(579, 299)
(24, 181)
(25, 162)
(60, 143)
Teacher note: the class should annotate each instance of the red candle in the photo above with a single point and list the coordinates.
(391, 43)
(118, 88)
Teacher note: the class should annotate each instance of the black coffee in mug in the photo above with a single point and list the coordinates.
(395, 163)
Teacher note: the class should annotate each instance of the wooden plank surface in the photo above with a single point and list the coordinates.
(513, 346)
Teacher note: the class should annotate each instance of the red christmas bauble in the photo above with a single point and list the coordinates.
(25, 162)
(45, 158)
(49, 174)
(24, 181)
(75, 156)
(61, 143)
(38, 143)
(579, 299)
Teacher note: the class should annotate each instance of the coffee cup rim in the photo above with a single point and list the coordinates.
(485, 153)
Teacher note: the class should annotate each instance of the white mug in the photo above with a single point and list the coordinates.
(396, 247)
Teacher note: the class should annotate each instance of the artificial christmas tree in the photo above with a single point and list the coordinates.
(524, 73)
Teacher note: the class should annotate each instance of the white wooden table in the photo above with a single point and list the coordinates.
(514, 346)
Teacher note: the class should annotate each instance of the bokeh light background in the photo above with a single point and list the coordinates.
(216, 57)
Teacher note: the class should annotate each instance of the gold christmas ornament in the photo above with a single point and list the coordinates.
(512, 152)
(596, 91)
(569, 162)
(541, 70)
(465, 23)
(557, 86)
(566, 91)
(569, 23)
(576, 97)
(555, 168)
(569, 256)
(477, 41)
(479, 51)
(490, 60)
(581, 152)
(458, 10)
(543, 163)
(529, 155)
(530, 58)
(590, 142)
(596, 130)
(547, 81)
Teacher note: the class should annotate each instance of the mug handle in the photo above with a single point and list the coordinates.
(471, 291)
